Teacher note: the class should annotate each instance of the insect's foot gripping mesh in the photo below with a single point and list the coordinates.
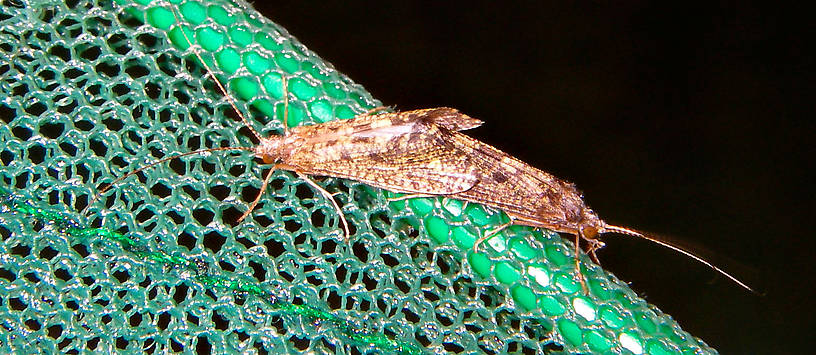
(92, 90)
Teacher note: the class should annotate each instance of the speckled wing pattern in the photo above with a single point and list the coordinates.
(422, 152)
(403, 152)
(527, 194)
(386, 124)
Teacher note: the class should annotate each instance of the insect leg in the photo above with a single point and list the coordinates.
(257, 198)
(581, 279)
(491, 234)
(329, 196)
(594, 246)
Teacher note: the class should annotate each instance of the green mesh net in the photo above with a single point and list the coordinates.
(93, 90)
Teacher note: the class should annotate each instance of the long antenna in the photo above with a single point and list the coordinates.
(223, 91)
(148, 166)
(254, 132)
(639, 234)
(212, 75)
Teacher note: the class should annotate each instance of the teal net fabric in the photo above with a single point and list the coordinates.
(93, 90)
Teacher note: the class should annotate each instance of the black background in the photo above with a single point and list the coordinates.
(685, 119)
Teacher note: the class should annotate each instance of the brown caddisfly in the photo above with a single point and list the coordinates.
(422, 152)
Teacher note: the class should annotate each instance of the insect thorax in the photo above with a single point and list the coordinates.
(272, 149)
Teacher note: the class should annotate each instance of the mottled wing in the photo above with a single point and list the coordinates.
(450, 118)
(401, 154)
(388, 124)
(524, 192)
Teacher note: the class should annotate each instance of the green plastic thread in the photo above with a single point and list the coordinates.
(200, 271)
(530, 272)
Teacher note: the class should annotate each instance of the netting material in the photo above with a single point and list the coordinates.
(90, 93)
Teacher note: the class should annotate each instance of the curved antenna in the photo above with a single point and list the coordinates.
(285, 106)
(212, 75)
(639, 234)
(148, 166)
